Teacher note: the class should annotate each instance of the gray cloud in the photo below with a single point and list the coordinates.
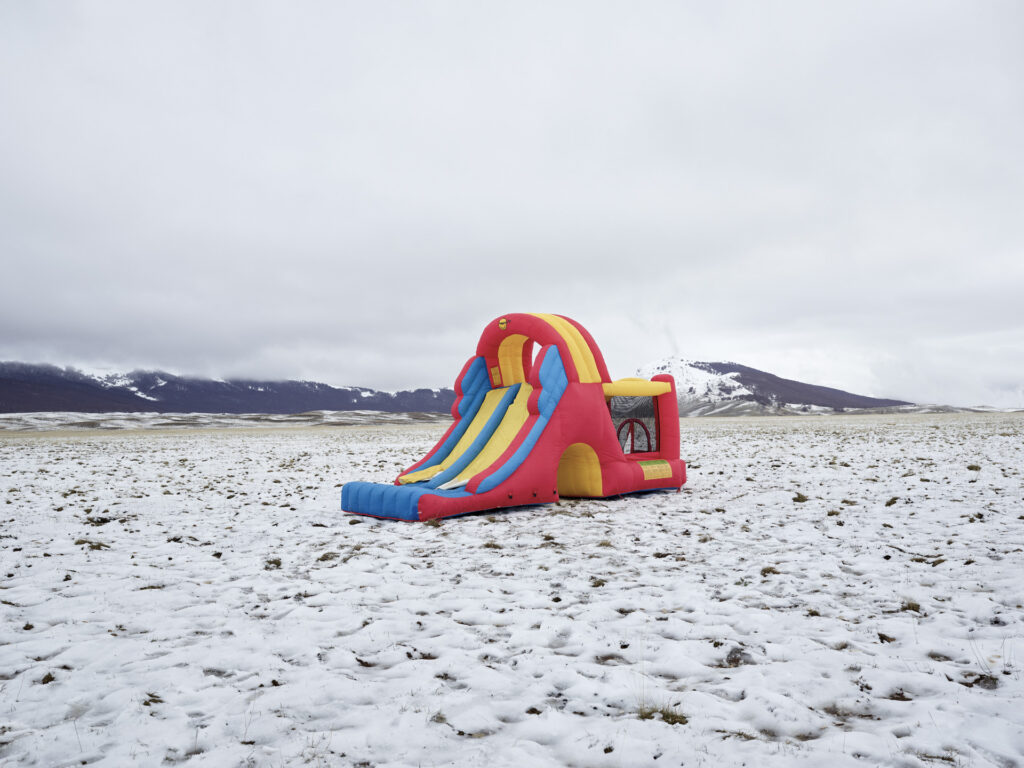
(349, 192)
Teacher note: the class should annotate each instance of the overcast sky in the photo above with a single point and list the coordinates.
(349, 192)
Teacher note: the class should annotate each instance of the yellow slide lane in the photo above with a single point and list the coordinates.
(513, 421)
(491, 400)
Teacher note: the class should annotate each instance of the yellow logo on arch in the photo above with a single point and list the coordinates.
(503, 323)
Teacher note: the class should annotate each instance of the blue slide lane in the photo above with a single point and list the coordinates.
(478, 444)
(475, 386)
(553, 383)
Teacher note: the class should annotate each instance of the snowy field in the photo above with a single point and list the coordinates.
(833, 591)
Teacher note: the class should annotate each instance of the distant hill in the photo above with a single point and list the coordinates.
(33, 388)
(731, 389)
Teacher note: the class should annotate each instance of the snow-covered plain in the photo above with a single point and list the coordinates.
(825, 591)
(59, 421)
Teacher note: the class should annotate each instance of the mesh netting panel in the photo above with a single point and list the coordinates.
(636, 424)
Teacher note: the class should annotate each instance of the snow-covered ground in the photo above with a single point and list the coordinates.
(825, 591)
(79, 422)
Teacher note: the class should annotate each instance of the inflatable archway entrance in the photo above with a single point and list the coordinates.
(529, 428)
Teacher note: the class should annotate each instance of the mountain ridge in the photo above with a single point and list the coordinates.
(703, 388)
(31, 387)
(732, 389)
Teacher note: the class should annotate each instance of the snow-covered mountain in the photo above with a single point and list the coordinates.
(33, 388)
(705, 389)
(730, 389)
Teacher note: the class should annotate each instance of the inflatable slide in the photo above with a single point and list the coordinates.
(536, 417)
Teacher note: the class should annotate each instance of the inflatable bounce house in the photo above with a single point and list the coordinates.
(530, 428)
